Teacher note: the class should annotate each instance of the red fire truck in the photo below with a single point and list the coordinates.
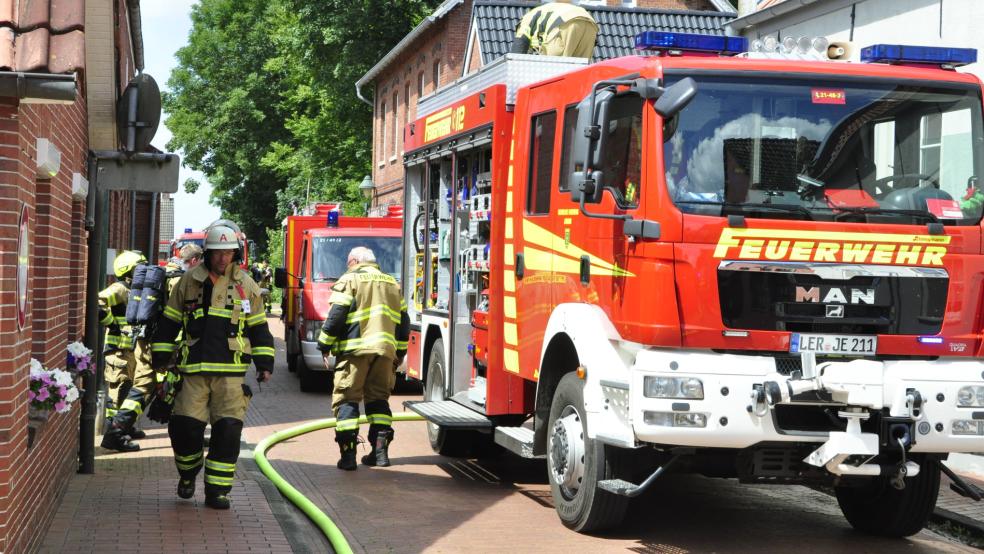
(761, 265)
(316, 248)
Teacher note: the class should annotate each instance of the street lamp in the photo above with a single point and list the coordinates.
(367, 188)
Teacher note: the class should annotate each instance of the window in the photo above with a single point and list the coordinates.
(567, 157)
(406, 111)
(420, 85)
(396, 124)
(541, 163)
(382, 132)
(436, 74)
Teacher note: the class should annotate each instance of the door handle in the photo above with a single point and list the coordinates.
(520, 267)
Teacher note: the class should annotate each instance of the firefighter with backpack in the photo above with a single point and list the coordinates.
(125, 308)
(217, 310)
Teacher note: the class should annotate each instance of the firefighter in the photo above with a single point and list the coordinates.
(556, 29)
(265, 282)
(367, 328)
(216, 306)
(128, 372)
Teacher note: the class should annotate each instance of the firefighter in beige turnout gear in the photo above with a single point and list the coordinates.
(556, 29)
(218, 310)
(367, 329)
(127, 359)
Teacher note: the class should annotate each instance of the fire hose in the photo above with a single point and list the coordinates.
(318, 517)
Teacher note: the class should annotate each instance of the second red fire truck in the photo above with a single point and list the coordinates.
(760, 265)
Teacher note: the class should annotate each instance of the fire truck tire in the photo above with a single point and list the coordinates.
(576, 463)
(292, 363)
(445, 442)
(292, 359)
(314, 381)
(878, 508)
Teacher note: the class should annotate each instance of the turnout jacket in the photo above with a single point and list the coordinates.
(368, 315)
(112, 315)
(223, 326)
(538, 24)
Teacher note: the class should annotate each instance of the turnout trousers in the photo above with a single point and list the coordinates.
(207, 399)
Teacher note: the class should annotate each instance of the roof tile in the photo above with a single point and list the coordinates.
(32, 50)
(6, 48)
(66, 52)
(42, 35)
(7, 13)
(67, 15)
(33, 14)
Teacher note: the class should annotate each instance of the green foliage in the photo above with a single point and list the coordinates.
(263, 101)
(191, 185)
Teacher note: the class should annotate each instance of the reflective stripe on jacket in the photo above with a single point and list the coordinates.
(220, 335)
(112, 315)
(368, 315)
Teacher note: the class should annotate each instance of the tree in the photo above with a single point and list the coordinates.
(263, 100)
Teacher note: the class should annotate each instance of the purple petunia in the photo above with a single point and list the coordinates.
(43, 394)
(31, 395)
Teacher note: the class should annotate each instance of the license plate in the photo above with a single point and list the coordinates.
(850, 345)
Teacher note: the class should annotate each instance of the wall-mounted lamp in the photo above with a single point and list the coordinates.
(80, 187)
(49, 158)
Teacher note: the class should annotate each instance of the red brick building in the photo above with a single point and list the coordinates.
(63, 63)
(468, 34)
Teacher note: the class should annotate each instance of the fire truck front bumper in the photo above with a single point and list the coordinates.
(701, 399)
(313, 357)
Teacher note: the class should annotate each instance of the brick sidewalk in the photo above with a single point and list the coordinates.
(961, 511)
(130, 505)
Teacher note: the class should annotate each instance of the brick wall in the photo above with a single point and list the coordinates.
(32, 478)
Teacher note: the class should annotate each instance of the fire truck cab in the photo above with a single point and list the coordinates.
(758, 265)
(316, 248)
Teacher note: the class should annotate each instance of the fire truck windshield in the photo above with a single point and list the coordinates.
(331, 254)
(874, 151)
(181, 242)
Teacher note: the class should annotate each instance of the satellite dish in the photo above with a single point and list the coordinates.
(144, 119)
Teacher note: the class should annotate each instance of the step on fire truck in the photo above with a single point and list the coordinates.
(316, 247)
(762, 265)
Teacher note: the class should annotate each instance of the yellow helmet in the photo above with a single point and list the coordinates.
(126, 261)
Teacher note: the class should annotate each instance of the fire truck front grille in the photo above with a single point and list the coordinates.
(843, 300)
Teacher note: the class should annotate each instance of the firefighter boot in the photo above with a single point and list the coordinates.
(379, 441)
(217, 501)
(137, 433)
(347, 447)
(115, 439)
(186, 489)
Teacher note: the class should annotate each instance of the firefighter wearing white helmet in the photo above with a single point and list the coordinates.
(127, 356)
(217, 308)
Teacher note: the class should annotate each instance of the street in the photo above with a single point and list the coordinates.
(426, 502)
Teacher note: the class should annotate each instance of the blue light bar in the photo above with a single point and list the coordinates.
(931, 340)
(901, 53)
(187, 229)
(333, 218)
(659, 40)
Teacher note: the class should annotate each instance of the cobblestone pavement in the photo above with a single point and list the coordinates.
(430, 503)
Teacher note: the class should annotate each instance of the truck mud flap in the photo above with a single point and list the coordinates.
(450, 415)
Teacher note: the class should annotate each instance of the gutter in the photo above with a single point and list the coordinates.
(426, 24)
(136, 34)
(737, 25)
(38, 88)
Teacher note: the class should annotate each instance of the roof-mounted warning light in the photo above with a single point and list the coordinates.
(689, 42)
(927, 55)
(333, 218)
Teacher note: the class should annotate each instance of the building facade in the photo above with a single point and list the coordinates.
(45, 140)
(463, 35)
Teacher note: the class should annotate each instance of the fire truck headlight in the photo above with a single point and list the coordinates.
(312, 328)
(970, 397)
(673, 387)
(967, 427)
(675, 419)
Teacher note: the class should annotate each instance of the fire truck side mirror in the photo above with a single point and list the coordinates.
(280, 278)
(590, 190)
(676, 97)
(589, 137)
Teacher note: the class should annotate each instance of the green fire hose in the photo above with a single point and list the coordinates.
(327, 526)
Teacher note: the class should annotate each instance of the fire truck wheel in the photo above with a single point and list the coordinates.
(443, 441)
(879, 508)
(576, 463)
(292, 362)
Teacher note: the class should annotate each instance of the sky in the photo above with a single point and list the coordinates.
(166, 24)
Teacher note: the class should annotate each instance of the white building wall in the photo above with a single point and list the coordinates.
(921, 22)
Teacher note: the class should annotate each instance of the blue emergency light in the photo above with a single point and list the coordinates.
(902, 53)
(333, 218)
(660, 40)
(187, 229)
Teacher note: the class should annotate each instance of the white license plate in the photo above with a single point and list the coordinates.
(850, 345)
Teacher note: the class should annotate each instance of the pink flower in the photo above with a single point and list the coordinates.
(60, 406)
(43, 394)
(31, 395)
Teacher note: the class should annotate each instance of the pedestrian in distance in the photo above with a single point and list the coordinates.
(216, 306)
(367, 329)
(556, 29)
(127, 373)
